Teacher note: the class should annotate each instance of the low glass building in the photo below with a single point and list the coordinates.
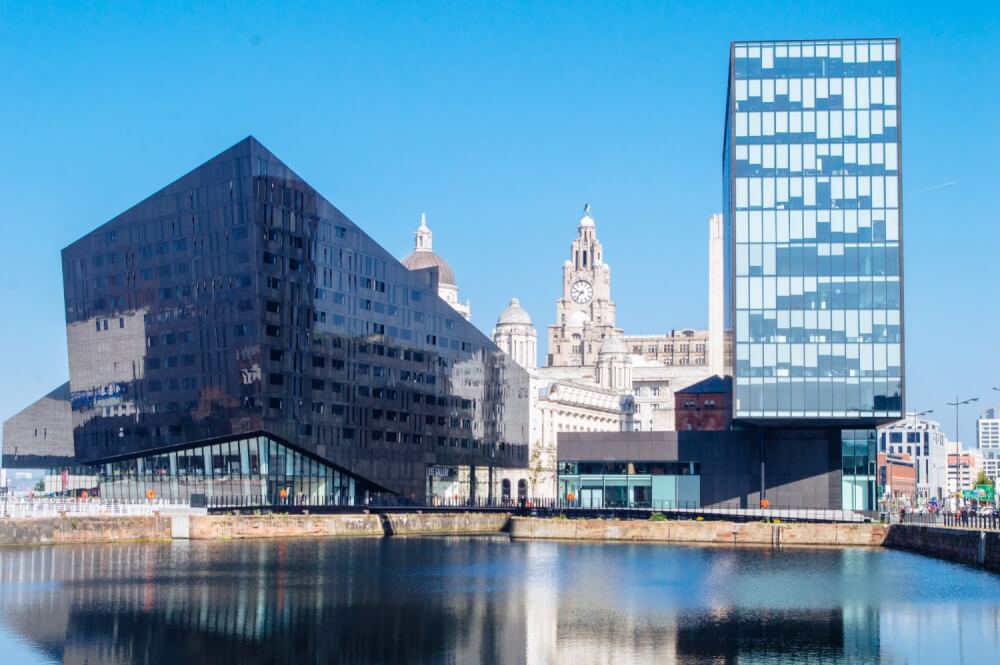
(256, 468)
(622, 484)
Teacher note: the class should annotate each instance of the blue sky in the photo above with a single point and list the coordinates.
(498, 120)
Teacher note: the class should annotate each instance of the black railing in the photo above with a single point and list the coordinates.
(537, 506)
(989, 521)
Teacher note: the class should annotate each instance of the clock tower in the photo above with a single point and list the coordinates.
(585, 314)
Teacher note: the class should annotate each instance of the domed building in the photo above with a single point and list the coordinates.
(423, 257)
(614, 365)
(516, 336)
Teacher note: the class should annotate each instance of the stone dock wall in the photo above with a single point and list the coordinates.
(440, 524)
(969, 546)
(57, 530)
(227, 527)
(730, 533)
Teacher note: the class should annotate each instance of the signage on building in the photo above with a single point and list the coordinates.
(439, 471)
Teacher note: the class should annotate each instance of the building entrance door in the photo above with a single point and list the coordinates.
(592, 497)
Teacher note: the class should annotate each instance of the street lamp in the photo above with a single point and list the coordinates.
(916, 461)
(957, 403)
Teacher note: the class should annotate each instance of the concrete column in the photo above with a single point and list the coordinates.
(716, 296)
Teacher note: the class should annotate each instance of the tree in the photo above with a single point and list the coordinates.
(40, 486)
(983, 479)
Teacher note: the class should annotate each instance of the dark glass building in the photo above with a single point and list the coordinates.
(812, 178)
(236, 324)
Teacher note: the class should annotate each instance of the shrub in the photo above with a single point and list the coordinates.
(657, 517)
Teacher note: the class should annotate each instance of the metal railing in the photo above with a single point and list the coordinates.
(37, 508)
(967, 520)
(539, 506)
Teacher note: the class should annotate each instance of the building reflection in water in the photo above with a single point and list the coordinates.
(473, 600)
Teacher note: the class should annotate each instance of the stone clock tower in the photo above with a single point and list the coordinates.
(585, 314)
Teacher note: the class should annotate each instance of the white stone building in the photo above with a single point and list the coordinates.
(927, 445)
(595, 378)
(988, 442)
(558, 405)
(423, 256)
(656, 365)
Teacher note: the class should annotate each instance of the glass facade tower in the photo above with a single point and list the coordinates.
(813, 213)
(812, 182)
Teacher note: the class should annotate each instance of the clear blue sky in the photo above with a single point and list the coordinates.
(499, 121)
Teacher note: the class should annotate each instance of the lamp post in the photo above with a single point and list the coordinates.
(958, 462)
(916, 461)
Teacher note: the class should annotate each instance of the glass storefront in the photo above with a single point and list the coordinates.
(658, 485)
(254, 468)
(859, 457)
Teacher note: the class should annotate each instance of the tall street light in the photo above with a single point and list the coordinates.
(916, 460)
(957, 403)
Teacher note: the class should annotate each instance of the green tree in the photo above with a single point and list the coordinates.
(983, 479)
(40, 486)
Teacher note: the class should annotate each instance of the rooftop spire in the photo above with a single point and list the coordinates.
(587, 219)
(422, 238)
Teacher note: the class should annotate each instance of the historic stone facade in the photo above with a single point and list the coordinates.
(586, 346)
(585, 313)
(596, 379)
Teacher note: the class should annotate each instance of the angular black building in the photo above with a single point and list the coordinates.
(235, 333)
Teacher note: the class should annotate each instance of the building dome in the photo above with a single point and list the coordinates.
(586, 220)
(613, 344)
(577, 320)
(423, 255)
(514, 314)
(423, 258)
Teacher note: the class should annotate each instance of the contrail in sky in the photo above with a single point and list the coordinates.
(933, 187)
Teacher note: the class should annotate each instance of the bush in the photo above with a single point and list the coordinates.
(560, 516)
(657, 517)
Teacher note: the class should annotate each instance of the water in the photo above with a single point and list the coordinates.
(489, 600)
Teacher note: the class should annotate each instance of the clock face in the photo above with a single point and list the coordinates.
(581, 292)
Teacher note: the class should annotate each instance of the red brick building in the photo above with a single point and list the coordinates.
(897, 477)
(705, 406)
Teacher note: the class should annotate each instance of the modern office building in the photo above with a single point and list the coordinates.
(235, 333)
(988, 442)
(812, 203)
(812, 231)
(923, 441)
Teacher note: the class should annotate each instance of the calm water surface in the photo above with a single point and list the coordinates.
(417, 600)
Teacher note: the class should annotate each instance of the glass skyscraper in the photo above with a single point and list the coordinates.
(812, 185)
